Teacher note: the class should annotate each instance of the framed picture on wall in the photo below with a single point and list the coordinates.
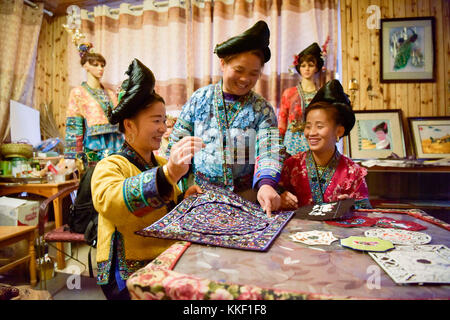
(431, 136)
(407, 48)
(376, 135)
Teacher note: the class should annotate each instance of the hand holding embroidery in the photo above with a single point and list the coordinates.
(181, 155)
(192, 190)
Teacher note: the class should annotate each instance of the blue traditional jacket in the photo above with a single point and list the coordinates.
(242, 139)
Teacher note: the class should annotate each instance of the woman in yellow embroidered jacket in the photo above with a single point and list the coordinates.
(133, 188)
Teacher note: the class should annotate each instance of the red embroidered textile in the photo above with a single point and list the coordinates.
(348, 178)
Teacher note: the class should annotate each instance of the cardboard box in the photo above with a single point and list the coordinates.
(18, 212)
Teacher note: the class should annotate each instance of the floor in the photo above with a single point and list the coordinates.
(71, 283)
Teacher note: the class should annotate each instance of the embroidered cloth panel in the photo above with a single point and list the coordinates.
(221, 218)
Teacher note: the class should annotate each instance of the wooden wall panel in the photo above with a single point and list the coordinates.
(446, 52)
(427, 105)
(361, 59)
(51, 83)
(401, 89)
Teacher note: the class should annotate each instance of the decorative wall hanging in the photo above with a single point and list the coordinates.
(397, 236)
(221, 218)
(367, 244)
(431, 137)
(357, 221)
(416, 264)
(326, 211)
(398, 224)
(314, 237)
(376, 135)
(407, 50)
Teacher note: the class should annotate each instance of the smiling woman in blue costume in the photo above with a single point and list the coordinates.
(237, 125)
(133, 188)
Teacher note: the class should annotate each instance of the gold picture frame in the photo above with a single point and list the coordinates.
(431, 136)
(376, 135)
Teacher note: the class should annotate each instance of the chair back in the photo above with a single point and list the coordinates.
(43, 208)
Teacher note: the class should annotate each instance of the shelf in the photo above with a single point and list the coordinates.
(430, 169)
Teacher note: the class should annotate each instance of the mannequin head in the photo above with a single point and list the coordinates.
(93, 63)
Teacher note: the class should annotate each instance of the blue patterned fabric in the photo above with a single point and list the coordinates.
(230, 130)
(104, 144)
(74, 129)
(219, 217)
(123, 267)
(295, 140)
(141, 191)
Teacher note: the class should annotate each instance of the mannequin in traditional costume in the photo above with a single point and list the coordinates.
(89, 135)
(133, 188)
(322, 174)
(233, 121)
(294, 100)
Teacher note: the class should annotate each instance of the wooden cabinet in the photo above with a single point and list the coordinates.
(426, 188)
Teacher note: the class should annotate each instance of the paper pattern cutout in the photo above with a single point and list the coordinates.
(367, 244)
(357, 221)
(416, 264)
(314, 237)
(398, 236)
(326, 211)
(398, 224)
(222, 218)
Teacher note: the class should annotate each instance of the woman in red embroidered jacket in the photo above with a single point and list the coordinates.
(322, 174)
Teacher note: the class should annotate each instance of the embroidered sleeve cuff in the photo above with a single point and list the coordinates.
(142, 191)
(267, 181)
(269, 174)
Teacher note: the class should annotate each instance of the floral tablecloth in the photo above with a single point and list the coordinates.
(289, 270)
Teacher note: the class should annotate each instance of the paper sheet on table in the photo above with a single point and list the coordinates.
(25, 126)
(389, 163)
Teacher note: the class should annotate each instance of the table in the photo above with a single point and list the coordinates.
(12, 234)
(288, 270)
(46, 190)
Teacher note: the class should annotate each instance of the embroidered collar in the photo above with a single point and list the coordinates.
(303, 100)
(320, 184)
(100, 95)
(225, 117)
(135, 158)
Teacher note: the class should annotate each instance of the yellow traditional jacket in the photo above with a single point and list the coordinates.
(128, 198)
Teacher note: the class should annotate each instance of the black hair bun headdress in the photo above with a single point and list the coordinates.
(255, 38)
(333, 93)
(134, 92)
(313, 50)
